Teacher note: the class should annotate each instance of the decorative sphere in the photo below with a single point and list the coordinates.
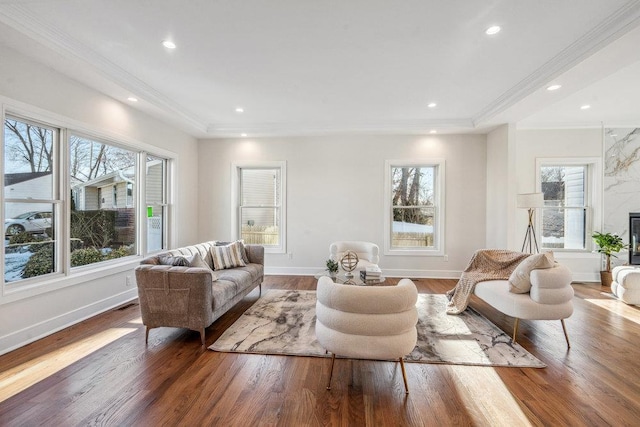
(349, 261)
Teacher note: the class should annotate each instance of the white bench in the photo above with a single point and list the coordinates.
(550, 298)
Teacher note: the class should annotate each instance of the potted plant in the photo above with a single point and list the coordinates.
(332, 267)
(608, 244)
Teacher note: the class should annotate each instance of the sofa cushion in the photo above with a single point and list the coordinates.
(243, 249)
(520, 281)
(229, 256)
(194, 260)
(177, 260)
(241, 277)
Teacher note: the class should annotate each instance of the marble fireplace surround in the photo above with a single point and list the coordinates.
(621, 182)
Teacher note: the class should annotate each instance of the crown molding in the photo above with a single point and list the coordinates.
(16, 15)
(310, 129)
(579, 125)
(611, 28)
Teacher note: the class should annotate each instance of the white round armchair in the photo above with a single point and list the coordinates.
(367, 322)
(368, 253)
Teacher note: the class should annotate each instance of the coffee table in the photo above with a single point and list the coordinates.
(343, 279)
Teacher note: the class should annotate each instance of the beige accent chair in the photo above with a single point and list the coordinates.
(367, 322)
(368, 253)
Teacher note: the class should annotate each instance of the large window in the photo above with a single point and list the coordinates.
(58, 219)
(157, 203)
(103, 227)
(567, 187)
(414, 213)
(259, 190)
(31, 200)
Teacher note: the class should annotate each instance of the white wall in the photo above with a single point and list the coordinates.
(532, 144)
(29, 86)
(500, 187)
(335, 192)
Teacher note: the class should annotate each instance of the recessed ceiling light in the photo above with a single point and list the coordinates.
(553, 87)
(132, 99)
(239, 110)
(494, 29)
(169, 44)
(243, 135)
(432, 105)
(433, 131)
(585, 107)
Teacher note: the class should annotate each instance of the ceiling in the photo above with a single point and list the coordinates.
(329, 66)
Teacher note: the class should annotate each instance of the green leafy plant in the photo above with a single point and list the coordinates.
(41, 262)
(85, 256)
(608, 244)
(332, 266)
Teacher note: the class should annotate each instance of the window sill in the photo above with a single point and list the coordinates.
(414, 252)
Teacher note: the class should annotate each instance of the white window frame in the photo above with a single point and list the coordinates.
(65, 276)
(236, 167)
(439, 208)
(593, 194)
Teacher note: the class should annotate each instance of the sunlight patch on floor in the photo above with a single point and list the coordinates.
(23, 376)
(137, 321)
(486, 398)
(618, 307)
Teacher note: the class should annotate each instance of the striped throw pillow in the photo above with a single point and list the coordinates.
(228, 256)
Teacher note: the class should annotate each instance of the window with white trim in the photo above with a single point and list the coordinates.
(568, 189)
(414, 214)
(57, 219)
(260, 203)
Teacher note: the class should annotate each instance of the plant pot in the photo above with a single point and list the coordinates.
(606, 278)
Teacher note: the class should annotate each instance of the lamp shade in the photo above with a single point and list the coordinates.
(531, 200)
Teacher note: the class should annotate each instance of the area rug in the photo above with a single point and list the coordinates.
(283, 322)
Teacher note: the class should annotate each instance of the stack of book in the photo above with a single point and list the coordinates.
(371, 273)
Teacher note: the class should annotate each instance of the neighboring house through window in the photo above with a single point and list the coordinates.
(569, 189)
(99, 186)
(414, 213)
(260, 204)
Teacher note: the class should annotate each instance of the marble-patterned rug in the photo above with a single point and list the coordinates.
(283, 322)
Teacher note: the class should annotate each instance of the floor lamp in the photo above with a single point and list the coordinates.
(530, 201)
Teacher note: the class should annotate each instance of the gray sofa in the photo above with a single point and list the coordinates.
(191, 297)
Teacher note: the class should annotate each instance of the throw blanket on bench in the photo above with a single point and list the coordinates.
(486, 264)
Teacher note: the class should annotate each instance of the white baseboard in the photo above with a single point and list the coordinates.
(47, 327)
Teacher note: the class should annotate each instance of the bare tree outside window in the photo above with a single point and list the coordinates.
(413, 208)
(99, 230)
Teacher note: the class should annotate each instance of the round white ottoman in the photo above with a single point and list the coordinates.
(626, 283)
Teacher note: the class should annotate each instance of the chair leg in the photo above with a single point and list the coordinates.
(566, 336)
(146, 335)
(515, 329)
(202, 336)
(404, 376)
(260, 289)
(333, 359)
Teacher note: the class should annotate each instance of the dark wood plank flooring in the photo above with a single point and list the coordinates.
(100, 372)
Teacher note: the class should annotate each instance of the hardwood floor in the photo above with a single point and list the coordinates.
(99, 372)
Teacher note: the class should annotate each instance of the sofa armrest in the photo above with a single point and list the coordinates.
(551, 285)
(175, 296)
(255, 253)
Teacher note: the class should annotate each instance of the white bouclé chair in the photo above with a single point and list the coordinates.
(367, 322)
(368, 253)
(550, 297)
